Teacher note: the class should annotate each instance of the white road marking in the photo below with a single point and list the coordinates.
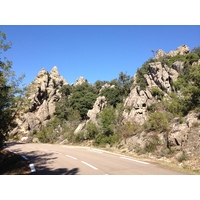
(24, 157)
(135, 160)
(56, 152)
(96, 151)
(71, 157)
(89, 165)
(32, 167)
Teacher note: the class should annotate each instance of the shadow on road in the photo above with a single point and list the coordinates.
(42, 161)
(60, 171)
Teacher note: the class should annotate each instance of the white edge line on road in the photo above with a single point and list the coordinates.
(32, 167)
(24, 157)
(96, 151)
(135, 160)
(89, 165)
(71, 157)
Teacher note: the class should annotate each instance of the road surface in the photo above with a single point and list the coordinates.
(48, 159)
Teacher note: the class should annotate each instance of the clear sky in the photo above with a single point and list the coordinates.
(96, 52)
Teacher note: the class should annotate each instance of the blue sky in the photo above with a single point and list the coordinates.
(96, 52)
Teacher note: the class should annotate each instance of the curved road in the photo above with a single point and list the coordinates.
(70, 160)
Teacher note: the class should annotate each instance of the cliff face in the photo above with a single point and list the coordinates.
(182, 139)
(42, 94)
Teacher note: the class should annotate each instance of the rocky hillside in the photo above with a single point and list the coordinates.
(39, 105)
(155, 113)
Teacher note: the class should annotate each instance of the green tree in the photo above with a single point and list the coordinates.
(112, 95)
(196, 50)
(125, 84)
(9, 89)
(83, 98)
(63, 109)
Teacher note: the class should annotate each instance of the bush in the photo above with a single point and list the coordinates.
(157, 93)
(112, 95)
(92, 130)
(157, 122)
(127, 130)
(102, 140)
(79, 137)
(107, 118)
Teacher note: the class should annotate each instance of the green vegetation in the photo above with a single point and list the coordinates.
(10, 94)
(140, 79)
(157, 122)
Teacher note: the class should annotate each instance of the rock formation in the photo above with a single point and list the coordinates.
(80, 80)
(98, 106)
(159, 76)
(42, 94)
(182, 50)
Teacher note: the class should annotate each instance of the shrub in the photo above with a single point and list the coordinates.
(92, 130)
(79, 137)
(127, 130)
(102, 140)
(107, 118)
(157, 93)
(157, 122)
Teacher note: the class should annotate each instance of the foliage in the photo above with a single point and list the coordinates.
(196, 50)
(102, 140)
(92, 130)
(125, 84)
(156, 92)
(107, 118)
(128, 129)
(10, 93)
(157, 122)
(98, 84)
(75, 101)
(82, 98)
(112, 95)
(140, 79)
(121, 90)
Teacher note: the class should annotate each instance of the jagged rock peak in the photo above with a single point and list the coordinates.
(181, 50)
(56, 77)
(80, 80)
(54, 71)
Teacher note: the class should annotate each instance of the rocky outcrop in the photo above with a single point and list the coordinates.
(159, 76)
(181, 50)
(136, 105)
(42, 94)
(196, 63)
(80, 80)
(98, 106)
(159, 54)
(106, 86)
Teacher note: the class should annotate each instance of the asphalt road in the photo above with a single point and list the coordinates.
(48, 159)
